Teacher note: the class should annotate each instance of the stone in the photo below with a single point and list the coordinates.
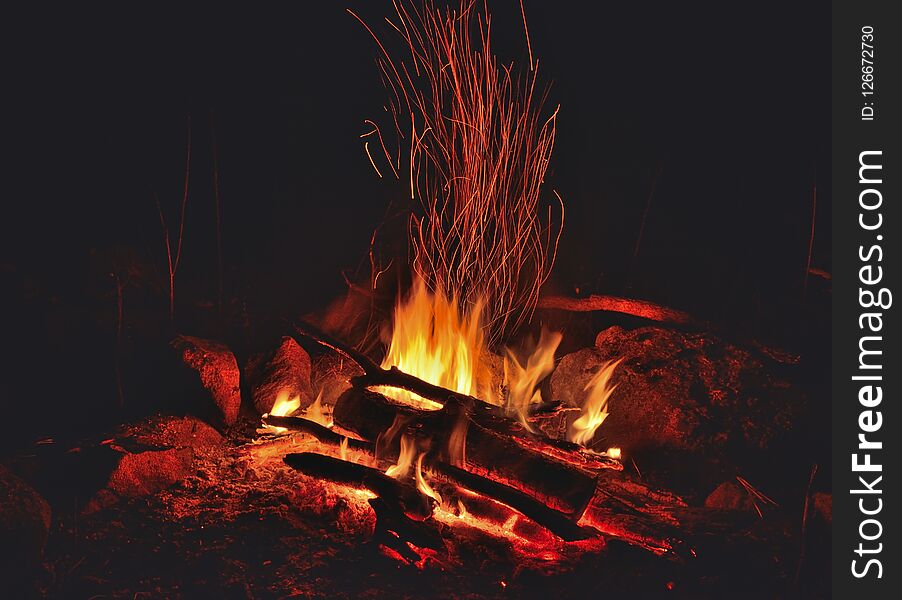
(24, 526)
(683, 391)
(331, 376)
(730, 496)
(139, 474)
(149, 456)
(172, 432)
(286, 370)
(217, 371)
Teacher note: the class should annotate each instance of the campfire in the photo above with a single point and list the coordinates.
(451, 427)
(427, 452)
(439, 434)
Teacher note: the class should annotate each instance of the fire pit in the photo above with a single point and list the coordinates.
(449, 427)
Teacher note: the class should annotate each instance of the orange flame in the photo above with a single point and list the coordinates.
(594, 410)
(423, 485)
(282, 407)
(522, 381)
(461, 509)
(433, 339)
(343, 448)
(405, 458)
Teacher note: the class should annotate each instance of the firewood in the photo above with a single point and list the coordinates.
(554, 521)
(320, 432)
(627, 306)
(622, 508)
(487, 415)
(559, 485)
(401, 494)
(361, 476)
(390, 519)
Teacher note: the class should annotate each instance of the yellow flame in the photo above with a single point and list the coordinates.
(594, 410)
(509, 523)
(423, 485)
(343, 448)
(386, 438)
(433, 339)
(614, 453)
(405, 458)
(461, 510)
(316, 414)
(522, 380)
(283, 406)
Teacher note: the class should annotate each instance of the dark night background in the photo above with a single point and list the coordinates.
(732, 104)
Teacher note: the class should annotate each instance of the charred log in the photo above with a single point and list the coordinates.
(361, 476)
(352, 474)
(394, 529)
(558, 485)
(555, 521)
(488, 416)
(627, 306)
(320, 432)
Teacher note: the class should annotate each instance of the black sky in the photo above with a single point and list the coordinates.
(730, 101)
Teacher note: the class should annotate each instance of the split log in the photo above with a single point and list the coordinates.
(623, 508)
(394, 529)
(554, 521)
(344, 472)
(320, 432)
(488, 416)
(627, 306)
(558, 485)
(374, 375)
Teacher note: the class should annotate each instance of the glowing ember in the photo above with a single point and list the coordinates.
(613, 453)
(594, 410)
(405, 458)
(522, 381)
(477, 147)
(423, 485)
(434, 340)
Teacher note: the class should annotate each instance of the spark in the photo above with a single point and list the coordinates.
(478, 150)
(366, 146)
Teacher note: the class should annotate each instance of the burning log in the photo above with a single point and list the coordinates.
(396, 505)
(320, 432)
(361, 476)
(488, 416)
(558, 485)
(374, 375)
(394, 529)
(621, 507)
(627, 306)
(397, 495)
(554, 521)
